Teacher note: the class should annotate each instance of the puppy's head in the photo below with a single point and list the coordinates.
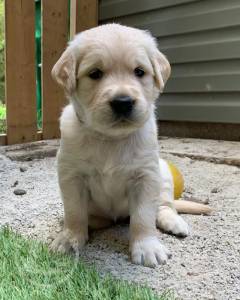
(112, 74)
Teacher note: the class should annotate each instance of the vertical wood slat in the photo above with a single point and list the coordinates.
(84, 15)
(20, 71)
(72, 18)
(54, 41)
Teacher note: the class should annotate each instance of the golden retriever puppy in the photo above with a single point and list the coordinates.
(108, 163)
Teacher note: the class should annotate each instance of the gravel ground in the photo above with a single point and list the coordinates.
(205, 265)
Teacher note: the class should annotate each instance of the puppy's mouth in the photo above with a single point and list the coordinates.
(128, 123)
(123, 122)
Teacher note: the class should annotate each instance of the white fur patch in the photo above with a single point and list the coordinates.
(149, 252)
(166, 179)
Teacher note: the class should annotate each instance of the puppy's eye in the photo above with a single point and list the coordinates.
(95, 74)
(139, 72)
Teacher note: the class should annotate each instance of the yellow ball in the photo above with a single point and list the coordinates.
(177, 180)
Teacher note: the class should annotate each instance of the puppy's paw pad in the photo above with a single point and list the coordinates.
(175, 225)
(66, 241)
(149, 252)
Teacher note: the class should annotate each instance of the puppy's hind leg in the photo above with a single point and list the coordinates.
(168, 219)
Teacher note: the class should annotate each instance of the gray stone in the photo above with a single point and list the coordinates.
(19, 192)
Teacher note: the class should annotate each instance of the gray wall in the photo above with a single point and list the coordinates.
(201, 39)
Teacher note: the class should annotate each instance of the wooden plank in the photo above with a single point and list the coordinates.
(20, 71)
(54, 41)
(39, 135)
(3, 139)
(86, 14)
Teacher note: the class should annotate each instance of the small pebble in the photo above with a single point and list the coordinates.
(15, 184)
(183, 265)
(19, 192)
(192, 274)
(23, 169)
(215, 190)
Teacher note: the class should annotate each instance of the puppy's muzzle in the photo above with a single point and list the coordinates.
(122, 106)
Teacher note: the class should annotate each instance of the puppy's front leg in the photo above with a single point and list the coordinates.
(75, 199)
(145, 247)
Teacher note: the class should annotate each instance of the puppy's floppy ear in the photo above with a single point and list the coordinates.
(162, 69)
(64, 71)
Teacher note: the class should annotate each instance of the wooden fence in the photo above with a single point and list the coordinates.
(21, 101)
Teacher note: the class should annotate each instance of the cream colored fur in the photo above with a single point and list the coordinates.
(110, 169)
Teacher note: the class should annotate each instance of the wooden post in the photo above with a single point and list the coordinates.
(84, 15)
(20, 71)
(55, 17)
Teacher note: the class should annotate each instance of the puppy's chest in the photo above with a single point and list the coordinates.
(109, 170)
(107, 182)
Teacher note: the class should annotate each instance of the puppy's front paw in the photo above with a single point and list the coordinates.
(67, 241)
(169, 221)
(149, 252)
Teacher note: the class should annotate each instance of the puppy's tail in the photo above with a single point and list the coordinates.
(193, 208)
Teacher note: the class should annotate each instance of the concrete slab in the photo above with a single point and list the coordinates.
(221, 152)
(31, 151)
(205, 265)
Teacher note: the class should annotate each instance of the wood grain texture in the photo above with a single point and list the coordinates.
(54, 41)
(86, 14)
(3, 139)
(20, 71)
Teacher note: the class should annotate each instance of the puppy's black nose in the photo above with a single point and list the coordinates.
(122, 105)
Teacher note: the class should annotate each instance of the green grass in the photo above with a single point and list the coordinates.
(2, 118)
(29, 271)
(2, 111)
